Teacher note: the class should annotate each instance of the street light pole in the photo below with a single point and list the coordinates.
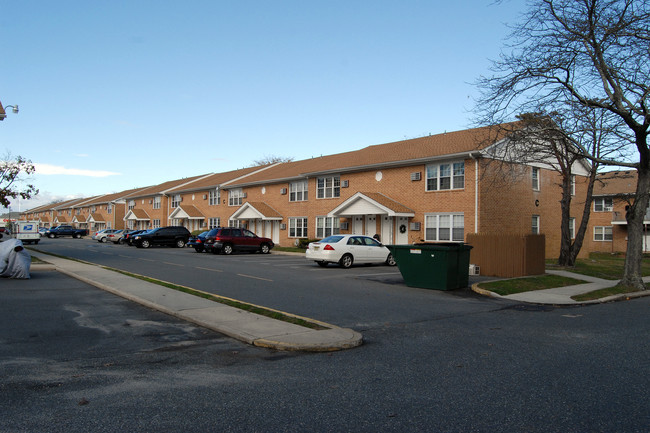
(3, 113)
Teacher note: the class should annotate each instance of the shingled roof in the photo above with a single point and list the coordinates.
(616, 183)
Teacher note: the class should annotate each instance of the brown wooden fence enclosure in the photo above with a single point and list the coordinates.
(508, 255)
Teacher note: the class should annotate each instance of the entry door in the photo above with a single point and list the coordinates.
(371, 225)
(357, 225)
(402, 231)
(387, 230)
(267, 229)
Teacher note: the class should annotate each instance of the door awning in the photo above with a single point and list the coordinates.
(256, 211)
(371, 203)
(187, 212)
(137, 215)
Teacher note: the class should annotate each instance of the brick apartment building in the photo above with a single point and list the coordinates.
(434, 188)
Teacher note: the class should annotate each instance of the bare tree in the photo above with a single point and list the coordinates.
(271, 159)
(593, 54)
(10, 178)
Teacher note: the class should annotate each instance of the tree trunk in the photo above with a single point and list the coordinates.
(565, 235)
(586, 212)
(635, 215)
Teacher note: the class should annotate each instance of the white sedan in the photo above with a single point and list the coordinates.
(348, 249)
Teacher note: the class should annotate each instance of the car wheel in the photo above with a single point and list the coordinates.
(180, 243)
(227, 249)
(346, 261)
(264, 248)
(198, 250)
(51, 236)
(76, 235)
(322, 264)
(103, 240)
(390, 261)
(145, 244)
(120, 241)
(36, 241)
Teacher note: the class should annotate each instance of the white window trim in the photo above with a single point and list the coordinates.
(453, 217)
(299, 189)
(605, 208)
(214, 197)
(536, 181)
(214, 222)
(303, 229)
(453, 184)
(603, 233)
(335, 187)
(536, 221)
(176, 201)
(323, 230)
(235, 197)
(157, 202)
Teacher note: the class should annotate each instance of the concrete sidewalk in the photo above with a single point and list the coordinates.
(562, 295)
(239, 324)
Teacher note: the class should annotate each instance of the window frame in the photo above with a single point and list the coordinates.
(299, 191)
(334, 189)
(296, 231)
(235, 197)
(603, 204)
(536, 224)
(176, 201)
(450, 227)
(603, 234)
(445, 176)
(214, 222)
(536, 176)
(214, 197)
(156, 202)
(322, 228)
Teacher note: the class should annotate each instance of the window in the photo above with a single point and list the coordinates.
(214, 197)
(131, 204)
(297, 227)
(298, 191)
(156, 224)
(535, 224)
(445, 176)
(327, 226)
(328, 187)
(603, 233)
(603, 204)
(94, 209)
(235, 223)
(109, 209)
(572, 228)
(78, 211)
(535, 174)
(214, 223)
(235, 197)
(444, 227)
(176, 200)
(156, 202)
(573, 184)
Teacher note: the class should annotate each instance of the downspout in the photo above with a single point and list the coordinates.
(475, 157)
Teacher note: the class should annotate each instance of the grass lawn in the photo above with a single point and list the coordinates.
(600, 265)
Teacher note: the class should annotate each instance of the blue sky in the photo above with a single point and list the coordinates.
(123, 94)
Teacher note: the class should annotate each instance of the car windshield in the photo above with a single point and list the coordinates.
(332, 239)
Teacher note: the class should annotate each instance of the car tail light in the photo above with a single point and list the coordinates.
(328, 247)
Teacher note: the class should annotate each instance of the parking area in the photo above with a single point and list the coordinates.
(355, 297)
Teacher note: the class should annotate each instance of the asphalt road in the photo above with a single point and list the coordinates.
(74, 359)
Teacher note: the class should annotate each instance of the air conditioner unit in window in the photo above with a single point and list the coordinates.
(345, 226)
(150, 201)
(283, 226)
(244, 195)
(345, 183)
(415, 226)
(416, 176)
(474, 270)
(205, 196)
(283, 191)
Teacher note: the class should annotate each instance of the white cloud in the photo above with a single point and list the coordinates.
(47, 169)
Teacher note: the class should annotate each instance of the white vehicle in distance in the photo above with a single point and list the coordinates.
(348, 249)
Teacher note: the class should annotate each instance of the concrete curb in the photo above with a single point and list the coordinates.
(251, 328)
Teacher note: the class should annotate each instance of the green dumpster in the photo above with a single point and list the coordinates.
(440, 266)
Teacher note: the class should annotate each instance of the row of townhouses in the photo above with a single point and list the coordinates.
(434, 188)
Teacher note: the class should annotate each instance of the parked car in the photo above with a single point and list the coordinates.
(42, 231)
(102, 235)
(197, 242)
(228, 239)
(57, 231)
(115, 236)
(176, 236)
(128, 238)
(348, 249)
(123, 236)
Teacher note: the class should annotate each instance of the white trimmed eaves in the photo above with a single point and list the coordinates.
(183, 184)
(232, 181)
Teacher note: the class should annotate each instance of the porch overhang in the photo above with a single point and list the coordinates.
(371, 203)
(95, 218)
(189, 212)
(137, 215)
(256, 211)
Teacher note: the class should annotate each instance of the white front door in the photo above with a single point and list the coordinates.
(402, 231)
(357, 225)
(268, 226)
(371, 225)
(386, 230)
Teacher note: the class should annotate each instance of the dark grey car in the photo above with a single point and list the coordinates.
(173, 236)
